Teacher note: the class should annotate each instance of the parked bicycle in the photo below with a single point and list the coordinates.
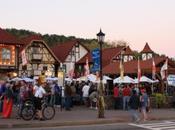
(28, 111)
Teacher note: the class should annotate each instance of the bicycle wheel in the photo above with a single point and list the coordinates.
(48, 112)
(27, 112)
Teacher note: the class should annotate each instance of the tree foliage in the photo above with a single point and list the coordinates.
(53, 39)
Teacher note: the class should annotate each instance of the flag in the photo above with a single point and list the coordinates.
(121, 69)
(71, 70)
(24, 58)
(138, 71)
(164, 69)
(86, 67)
(153, 70)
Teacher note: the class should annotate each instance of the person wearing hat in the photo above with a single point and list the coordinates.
(39, 93)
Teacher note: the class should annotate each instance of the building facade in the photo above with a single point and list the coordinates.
(37, 58)
(9, 52)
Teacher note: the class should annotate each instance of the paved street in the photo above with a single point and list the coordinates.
(163, 125)
(81, 115)
(116, 126)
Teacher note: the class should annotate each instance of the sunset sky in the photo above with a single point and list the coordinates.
(134, 21)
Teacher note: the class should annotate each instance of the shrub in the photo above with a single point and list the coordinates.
(160, 99)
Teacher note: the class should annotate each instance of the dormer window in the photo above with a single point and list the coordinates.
(36, 52)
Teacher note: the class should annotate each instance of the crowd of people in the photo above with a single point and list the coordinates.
(127, 97)
(132, 98)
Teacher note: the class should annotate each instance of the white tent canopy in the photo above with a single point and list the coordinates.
(106, 77)
(17, 79)
(52, 78)
(126, 79)
(93, 78)
(145, 79)
(28, 79)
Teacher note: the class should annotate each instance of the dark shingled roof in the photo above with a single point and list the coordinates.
(7, 38)
(147, 49)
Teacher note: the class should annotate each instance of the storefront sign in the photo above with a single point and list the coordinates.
(171, 80)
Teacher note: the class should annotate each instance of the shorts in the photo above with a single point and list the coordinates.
(38, 104)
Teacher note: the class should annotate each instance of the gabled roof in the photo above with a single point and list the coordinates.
(7, 38)
(128, 51)
(36, 38)
(147, 49)
(83, 59)
(27, 40)
(107, 55)
(62, 50)
(131, 66)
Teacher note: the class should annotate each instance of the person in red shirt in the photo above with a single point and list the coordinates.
(116, 97)
(126, 96)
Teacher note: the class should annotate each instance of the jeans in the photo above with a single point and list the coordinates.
(67, 102)
(134, 114)
(125, 102)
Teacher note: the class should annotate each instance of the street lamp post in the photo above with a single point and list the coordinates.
(101, 104)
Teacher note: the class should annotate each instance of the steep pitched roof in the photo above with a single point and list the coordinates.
(27, 40)
(147, 49)
(128, 51)
(37, 38)
(62, 50)
(83, 59)
(107, 55)
(7, 38)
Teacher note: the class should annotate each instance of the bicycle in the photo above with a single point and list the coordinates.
(28, 111)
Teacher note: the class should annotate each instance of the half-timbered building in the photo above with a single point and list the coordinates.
(9, 52)
(69, 53)
(37, 58)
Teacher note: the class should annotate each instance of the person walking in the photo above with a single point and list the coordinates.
(134, 104)
(144, 100)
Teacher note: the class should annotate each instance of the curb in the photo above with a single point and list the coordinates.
(72, 123)
(57, 124)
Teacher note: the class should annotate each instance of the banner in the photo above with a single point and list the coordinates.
(138, 71)
(164, 69)
(24, 58)
(86, 67)
(71, 71)
(171, 80)
(153, 70)
(96, 60)
(121, 67)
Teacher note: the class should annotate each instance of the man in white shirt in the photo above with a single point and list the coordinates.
(39, 93)
(85, 91)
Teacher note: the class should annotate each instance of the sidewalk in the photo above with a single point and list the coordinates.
(84, 116)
